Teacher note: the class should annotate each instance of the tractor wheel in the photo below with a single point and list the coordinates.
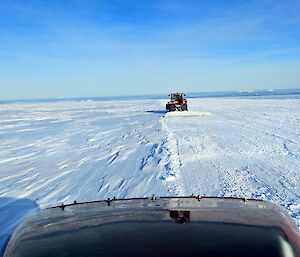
(167, 107)
(184, 107)
(172, 107)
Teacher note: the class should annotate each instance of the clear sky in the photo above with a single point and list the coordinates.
(79, 48)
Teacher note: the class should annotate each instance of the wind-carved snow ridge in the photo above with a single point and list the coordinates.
(153, 154)
(83, 151)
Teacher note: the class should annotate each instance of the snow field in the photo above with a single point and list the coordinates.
(90, 150)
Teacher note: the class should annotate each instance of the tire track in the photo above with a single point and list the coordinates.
(239, 156)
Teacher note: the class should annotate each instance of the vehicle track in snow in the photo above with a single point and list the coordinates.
(240, 153)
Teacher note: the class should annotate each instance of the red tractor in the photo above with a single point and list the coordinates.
(177, 103)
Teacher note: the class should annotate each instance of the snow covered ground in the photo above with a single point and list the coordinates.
(90, 150)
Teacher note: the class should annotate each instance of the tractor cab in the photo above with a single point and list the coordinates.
(177, 96)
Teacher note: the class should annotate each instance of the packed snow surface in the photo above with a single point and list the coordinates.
(59, 152)
(186, 114)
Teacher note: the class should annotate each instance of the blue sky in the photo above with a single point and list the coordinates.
(75, 48)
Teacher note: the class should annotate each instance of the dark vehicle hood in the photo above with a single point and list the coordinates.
(177, 226)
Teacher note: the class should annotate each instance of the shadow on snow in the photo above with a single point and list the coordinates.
(163, 112)
(12, 212)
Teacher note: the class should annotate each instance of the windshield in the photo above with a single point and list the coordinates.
(138, 239)
(177, 96)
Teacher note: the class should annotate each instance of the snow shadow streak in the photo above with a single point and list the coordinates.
(163, 112)
(12, 212)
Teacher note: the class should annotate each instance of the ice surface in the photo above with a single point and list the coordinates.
(187, 114)
(70, 150)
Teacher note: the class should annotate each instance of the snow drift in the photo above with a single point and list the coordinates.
(187, 114)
